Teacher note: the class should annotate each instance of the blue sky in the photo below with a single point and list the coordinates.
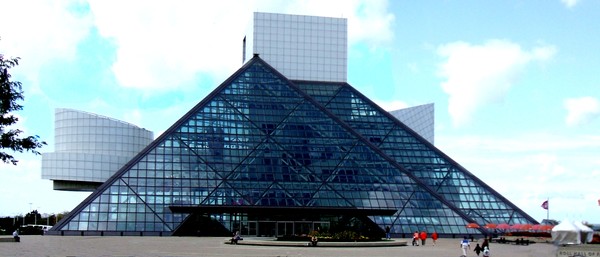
(516, 84)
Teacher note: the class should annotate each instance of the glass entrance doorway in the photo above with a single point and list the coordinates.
(281, 228)
(248, 228)
(299, 228)
(303, 228)
(266, 228)
(285, 228)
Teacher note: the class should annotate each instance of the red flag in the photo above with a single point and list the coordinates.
(545, 205)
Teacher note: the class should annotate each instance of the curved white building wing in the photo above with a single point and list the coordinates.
(89, 148)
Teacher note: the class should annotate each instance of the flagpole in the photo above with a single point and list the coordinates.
(548, 209)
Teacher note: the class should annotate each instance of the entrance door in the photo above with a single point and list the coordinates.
(248, 228)
(285, 228)
(266, 228)
(302, 228)
(321, 226)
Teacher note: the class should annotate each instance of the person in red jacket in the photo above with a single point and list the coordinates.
(423, 237)
(434, 236)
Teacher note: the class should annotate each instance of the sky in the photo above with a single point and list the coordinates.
(515, 83)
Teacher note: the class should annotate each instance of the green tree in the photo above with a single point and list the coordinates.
(10, 93)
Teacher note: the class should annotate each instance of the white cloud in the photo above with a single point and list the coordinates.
(570, 3)
(371, 23)
(22, 185)
(161, 46)
(527, 169)
(581, 110)
(476, 75)
(531, 142)
(39, 33)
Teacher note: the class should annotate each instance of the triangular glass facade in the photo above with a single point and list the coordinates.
(260, 150)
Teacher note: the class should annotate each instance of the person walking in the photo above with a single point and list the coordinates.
(387, 233)
(423, 237)
(434, 237)
(486, 252)
(477, 249)
(415, 241)
(464, 245)
(485, 244)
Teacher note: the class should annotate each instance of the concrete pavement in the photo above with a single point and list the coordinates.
(54, 246)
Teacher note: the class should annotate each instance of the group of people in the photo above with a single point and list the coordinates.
(484, 248)
(522, 241)
(423, 238)
(518, 241)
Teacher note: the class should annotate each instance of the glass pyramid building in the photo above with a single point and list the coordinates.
(265, 155)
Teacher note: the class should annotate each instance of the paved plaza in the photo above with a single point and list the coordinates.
(33, 246)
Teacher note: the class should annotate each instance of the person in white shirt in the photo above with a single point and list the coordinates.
(464, 245)
(486, 252)
(16, 236)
